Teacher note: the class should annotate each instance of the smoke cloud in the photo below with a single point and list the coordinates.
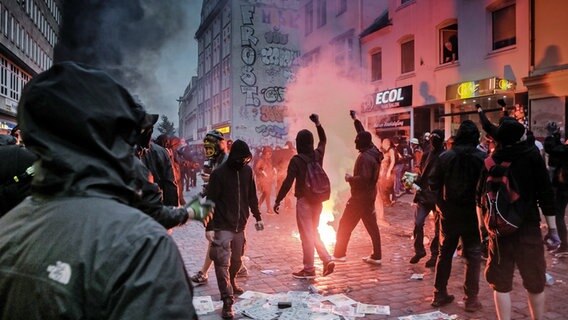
(132, 40)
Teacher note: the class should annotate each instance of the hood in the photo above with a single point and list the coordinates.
(305, 142)
(437, 139)
(6, 140)
(240, 155)
(510, 131)
(468, 134)
(82, 125)
(363, 141)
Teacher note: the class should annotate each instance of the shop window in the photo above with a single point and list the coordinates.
(504, 33)
(321, 7)
(341, 7)
(407, 56)
(309, 17)
(449, 44)
(376, 66)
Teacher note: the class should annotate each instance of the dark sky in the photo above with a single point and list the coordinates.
(147, 45)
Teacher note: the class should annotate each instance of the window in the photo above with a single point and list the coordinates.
(309, 17)
(321, 12)
(341, 7)
(449, 44)
(504, 27)
(402, 2)
(376, 66)
(407, 56)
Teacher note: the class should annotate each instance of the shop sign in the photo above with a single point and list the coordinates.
(393, 98)
(390, 123)
(225, 129)
(471, 89)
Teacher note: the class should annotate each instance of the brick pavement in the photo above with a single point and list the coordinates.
(278, 248)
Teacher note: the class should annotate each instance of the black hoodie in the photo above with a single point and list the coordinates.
(298, 167)
(233, 190)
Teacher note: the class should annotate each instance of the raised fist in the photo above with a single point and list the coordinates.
(315, 118)
(353, 114)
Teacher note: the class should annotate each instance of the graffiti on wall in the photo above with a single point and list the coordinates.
(281, 57)
(248, 56)
(273, 94)
(272, 131)
(275, 113)
(276, 37)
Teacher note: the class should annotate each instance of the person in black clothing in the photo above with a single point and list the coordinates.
(455, 179)
(361, 205)
(307, 210)
(558, 155)
(232, 188)
(524, 248)
(426, 201)
(15, 173)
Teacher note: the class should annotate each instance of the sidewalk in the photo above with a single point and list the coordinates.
(277, 252)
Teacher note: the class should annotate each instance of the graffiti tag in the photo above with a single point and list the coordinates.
(271, 131)
(272, 113)
(273, 94)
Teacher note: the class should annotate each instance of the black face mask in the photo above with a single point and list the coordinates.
(239, 163)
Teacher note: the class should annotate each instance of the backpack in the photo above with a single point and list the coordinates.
(503, 204)
(317, 185)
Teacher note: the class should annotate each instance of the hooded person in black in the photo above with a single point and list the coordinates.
(77, 240)
(524, 248)
(455, 178)
(361, 205)
(307, 210)
(232, 188)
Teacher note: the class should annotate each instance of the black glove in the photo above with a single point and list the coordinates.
(315, 118)
(276, 208)
(353, 114)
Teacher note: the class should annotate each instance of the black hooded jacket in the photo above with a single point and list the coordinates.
(76, 249)
(298, 167)
(157, 160)
(233, 190)
(367, 166)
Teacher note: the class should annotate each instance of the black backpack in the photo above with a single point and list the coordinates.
(503, 205)
(317, 185)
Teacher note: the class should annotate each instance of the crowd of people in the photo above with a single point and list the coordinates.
(84, 219)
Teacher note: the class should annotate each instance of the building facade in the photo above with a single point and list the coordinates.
(247, 54)
(28, 34)
(188, 112)
(432, 61)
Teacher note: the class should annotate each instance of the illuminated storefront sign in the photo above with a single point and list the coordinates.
(225, 129)
(392, 123)
(484, 87)
(393, 98)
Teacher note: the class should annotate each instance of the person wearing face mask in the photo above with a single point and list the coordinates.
(233, 190)
(361, 205)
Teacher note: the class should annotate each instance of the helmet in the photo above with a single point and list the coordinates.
(211, 143)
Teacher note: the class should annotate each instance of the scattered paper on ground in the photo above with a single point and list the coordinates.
(417, 276)
(203, 305)
(373, 309)
(340, 300)
(436, 315)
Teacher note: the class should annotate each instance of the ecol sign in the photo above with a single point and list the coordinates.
(397, 97)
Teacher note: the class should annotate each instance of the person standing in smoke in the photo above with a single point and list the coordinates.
(80, 243)
(307, 210)
(265, 177)
(425, 200)
(233, 190)
(361, 204)
(455, 178)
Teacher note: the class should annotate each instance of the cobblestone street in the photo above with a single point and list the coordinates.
(278, 248)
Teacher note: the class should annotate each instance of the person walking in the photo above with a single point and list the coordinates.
(524, 248)
(455, 178)
(265, 176)
(233, 190)
(386, 175)
(425, 200)
(361, 204)
(80, 243)
(307, 210)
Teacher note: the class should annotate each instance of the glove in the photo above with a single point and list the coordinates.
(259, 225)
(201, 207)
(315, 118)
(276, 208)
(353, 114)
(479, 108)
(551, 239)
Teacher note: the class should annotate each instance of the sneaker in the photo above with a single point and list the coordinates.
(431, 263)
(243, 272)
(472, 305)
(370, 260)
(303, 274)
(441, 300)
(417, 257)
(560, 252)
(227, 311)
(339, 259)
(200, 278)
(328, 268)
